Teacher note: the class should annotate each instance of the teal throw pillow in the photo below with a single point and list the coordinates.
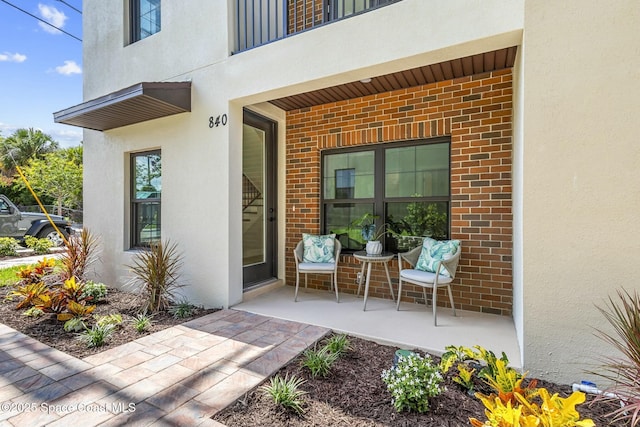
(435, 251)
(424, 254)
(318, 248)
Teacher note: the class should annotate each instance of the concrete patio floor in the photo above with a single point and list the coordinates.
(411, 327)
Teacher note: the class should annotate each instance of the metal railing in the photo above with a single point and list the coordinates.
(263, 21)
(250, 192)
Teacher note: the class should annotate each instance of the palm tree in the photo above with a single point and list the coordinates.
(22, 146)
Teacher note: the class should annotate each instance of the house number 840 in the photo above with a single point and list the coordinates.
(221, 120)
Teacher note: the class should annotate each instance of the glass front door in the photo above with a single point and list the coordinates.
(259, 223)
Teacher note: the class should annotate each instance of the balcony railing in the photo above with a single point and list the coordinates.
(262, 21)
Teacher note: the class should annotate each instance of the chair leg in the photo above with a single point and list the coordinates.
(399, 293)
(295, 298)
(435, 304)
(451, 300)
(335, 285)
(424, 295)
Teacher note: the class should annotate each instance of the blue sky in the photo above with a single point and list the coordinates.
(40, 67)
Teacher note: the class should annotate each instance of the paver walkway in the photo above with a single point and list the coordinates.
(180, 376)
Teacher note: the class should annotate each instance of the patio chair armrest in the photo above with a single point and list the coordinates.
(411, 256)
(336, 252)
(451, 263)
(298, 252)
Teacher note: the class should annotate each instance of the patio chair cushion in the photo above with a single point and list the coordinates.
(316, 266)
(318, 248)
(434, 252)
(424, 276)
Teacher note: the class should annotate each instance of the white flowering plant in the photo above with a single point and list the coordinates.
(412, 382)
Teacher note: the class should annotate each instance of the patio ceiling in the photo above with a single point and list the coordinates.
(447, 70)
(138, 103)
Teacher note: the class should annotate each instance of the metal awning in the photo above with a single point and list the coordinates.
(135, 104)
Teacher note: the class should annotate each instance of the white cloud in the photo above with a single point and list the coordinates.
(70, 137)
(69, 68)
(6, 129)
(52, 16)
(12, 57)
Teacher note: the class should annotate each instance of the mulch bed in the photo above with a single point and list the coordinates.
(354, 395)
(47, 329)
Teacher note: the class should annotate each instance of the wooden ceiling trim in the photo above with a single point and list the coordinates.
(427, 74)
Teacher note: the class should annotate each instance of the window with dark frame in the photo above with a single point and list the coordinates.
(345, 183)
(146, 192)
(145, 18)
(405, 185)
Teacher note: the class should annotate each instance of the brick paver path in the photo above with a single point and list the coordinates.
(180, 376)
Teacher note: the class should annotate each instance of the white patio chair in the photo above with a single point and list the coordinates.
(427, 279)
(307, 268)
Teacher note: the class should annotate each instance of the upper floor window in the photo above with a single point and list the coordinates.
(146, 191)
(403, 185)
(145, 18)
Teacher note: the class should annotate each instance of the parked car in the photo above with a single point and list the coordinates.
(16, 224)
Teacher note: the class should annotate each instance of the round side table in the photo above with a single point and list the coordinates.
(366, 260)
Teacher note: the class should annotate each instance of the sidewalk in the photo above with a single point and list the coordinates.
(180, 376)
(10, 262)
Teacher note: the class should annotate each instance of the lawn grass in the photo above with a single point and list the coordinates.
(8, 275)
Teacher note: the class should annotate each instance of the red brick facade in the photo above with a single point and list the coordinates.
(476, 113)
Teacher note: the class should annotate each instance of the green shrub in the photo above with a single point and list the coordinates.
(622, 371)
(97, 336)
(412, 382)
(182, 309)
(319, 361)
(30, 294)
(142, 322)
(42, 271)
(156, 271)
(8, 246)
(33, 312)
(74, 324)
(114, 319)
(286, 392)
(95, 291)
(465, 377)
(39, 246)
(80, 253)
(338, 344)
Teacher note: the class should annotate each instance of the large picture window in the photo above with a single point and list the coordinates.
(146, 191)
(403, 186)
(145, 18)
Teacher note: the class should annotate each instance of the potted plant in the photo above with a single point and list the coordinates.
(370, 233)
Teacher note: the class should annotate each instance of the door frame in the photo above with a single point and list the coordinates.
(263, 272)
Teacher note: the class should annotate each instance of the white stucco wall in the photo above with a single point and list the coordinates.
(581, 184)
(517, 197)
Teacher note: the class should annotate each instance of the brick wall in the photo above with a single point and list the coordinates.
(476, 113)
(303, 15)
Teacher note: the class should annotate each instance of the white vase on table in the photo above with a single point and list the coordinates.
(374, 247)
